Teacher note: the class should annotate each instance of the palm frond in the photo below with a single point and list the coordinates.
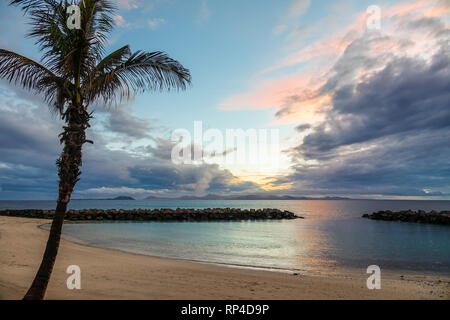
(27, 5)
(139, 71)
(113, 60)
(32, 75)
(70, 52)
(97, 22)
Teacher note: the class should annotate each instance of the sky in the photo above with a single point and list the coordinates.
(361, 106)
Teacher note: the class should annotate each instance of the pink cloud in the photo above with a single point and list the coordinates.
(332, 48)
(127, 4)
(154, 23)
(266, 95)
(296, 98)
(119, 20)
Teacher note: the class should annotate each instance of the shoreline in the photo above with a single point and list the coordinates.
(115, 274)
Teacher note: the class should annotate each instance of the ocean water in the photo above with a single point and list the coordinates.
(333, 235)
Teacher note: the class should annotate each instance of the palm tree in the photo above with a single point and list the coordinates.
(71, 75)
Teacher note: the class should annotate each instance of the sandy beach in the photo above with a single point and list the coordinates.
(110, 274)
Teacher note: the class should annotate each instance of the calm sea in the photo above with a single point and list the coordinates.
(332, 235)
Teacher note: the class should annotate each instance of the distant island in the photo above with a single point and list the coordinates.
(122, 198)
(116, 198)
(219, 197)
(245, 197)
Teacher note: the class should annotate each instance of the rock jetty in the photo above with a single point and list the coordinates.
(217, 214)
(420, 216)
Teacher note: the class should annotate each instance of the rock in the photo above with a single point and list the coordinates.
(180, 214)
(420, 216)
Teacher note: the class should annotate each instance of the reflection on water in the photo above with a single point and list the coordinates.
(333, 234)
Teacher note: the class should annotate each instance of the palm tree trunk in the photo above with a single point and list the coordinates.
(40, 282)
(69, 164)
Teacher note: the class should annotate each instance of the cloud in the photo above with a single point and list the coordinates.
(298, 8)
(29, 146)
(296, 97)
(408, 95)
(370, 111)
(293, 98)
(120, 21)
(372, 107)
(400, 165)
(388, 129)
(127, 4)
(155, 23)
(303, 127)
(121, 120)
(117, 191)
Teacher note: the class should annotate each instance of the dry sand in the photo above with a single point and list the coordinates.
(110, 274)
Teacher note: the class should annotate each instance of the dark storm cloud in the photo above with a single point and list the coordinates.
(162, 150)
(121, 120)
(430, 26)
(169, 176)
(155, 171)
(386, 133)
(303, 127)
(197, 178)
(406, 96)
(401, 165)
(28, 148)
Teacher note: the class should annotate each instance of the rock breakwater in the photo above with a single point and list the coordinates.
(419, 216)
(179, 214)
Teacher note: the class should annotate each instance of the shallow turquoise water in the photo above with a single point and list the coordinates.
(333, 234)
